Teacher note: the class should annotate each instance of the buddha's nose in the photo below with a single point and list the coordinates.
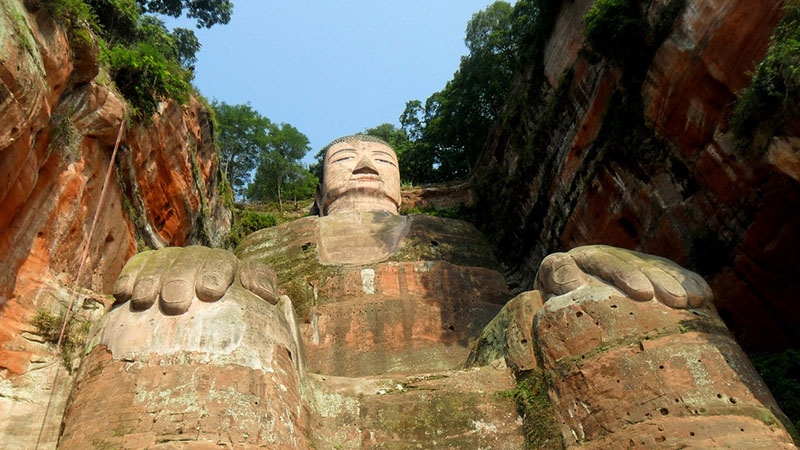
(364, 165)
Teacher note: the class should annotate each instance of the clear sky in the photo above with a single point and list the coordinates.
(333, 68)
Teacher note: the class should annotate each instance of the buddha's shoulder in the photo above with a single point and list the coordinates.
(263, 244)
(427, 238)
(431, 238)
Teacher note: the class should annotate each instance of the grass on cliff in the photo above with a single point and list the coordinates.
(75, 335)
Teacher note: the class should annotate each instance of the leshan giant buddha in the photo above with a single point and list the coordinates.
(361, 328)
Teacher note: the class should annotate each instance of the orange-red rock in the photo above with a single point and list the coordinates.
(57, 132)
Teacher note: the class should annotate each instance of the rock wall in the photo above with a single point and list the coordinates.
(591, 152)
(59, 127)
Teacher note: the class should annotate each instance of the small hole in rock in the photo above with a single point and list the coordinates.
(524, 341)
(451, 328)
(578, 314)
(719, 395)
(663, 411)
(305, 246)
(614, 306)
(435, 243)
(691, 433)
(733, 400)
(660, 367)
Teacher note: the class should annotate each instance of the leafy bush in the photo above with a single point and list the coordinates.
(773, 97)
(75, 13)
(145, 77)
(247, 222)
(118, 20)
(147, 62)
(615, 29)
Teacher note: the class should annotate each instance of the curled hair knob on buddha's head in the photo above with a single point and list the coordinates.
(359, 173)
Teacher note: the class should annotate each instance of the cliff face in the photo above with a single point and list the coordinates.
(59, 126)
(590, 152)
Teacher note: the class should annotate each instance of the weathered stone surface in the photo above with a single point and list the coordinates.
(184, 400)
(509, 335)
(291, 250)
(228, 372)
(649, 374)
(436, 197)
(400, 318)
(456, 409)
(417, 311)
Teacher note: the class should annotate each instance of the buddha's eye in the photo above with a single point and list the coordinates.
(385, 161)
(343, 158)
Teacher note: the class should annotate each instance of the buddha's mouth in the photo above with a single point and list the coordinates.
(365, 177)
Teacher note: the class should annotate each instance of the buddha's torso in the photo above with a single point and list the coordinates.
(380, 293)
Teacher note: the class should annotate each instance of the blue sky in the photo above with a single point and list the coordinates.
(333, 68)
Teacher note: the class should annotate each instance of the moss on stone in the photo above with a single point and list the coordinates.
(536, 409)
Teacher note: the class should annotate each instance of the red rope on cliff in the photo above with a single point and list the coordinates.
(85, 253)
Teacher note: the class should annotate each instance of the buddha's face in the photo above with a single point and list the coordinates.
(359, 176)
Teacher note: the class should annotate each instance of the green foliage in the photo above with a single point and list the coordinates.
(241, 135)
(773, 97)
(147, 62)
(538, 415)
(146, 76)
(64, 135)
(279, 174)
(448, 132)
(75, 334)
(186, 46)
(616, 30)
(248, 140)
(117, 20)
(246, 222)
(451, 130)
(207, 12)
(781, 372)
(460, 212)
(74, 13)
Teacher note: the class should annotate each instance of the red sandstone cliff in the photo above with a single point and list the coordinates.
(57, 132)
(676, 186)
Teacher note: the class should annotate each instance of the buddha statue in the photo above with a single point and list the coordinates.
(363, 328)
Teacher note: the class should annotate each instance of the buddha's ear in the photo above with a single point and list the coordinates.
(315, 209)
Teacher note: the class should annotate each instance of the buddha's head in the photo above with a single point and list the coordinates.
(359, 173)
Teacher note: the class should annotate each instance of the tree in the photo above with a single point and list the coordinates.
(242, 135)
(449, 133)
(280, 174)
(207, 12)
